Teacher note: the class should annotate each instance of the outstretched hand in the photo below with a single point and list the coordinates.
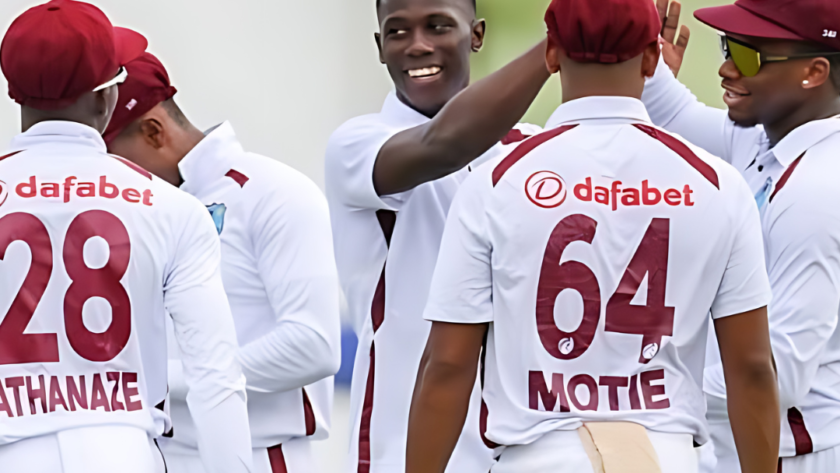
(673, 46)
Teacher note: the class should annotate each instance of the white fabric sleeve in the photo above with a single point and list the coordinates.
(744, 286)
(351, 155)
(673, 107)
(294, 251)
(462, 286)
(196, 300)
(803, 253)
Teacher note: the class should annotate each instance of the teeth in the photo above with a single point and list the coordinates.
(425, 72)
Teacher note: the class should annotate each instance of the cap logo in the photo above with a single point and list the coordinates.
(4, 192)
(829, 34)
(546, 189)
(131, 104)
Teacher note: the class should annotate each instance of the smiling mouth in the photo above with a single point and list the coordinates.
(425, 72)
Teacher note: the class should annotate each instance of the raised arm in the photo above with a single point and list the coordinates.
(293, 247)
(195, 297)
(465, 128)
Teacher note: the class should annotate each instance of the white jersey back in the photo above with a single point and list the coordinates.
(93, 253)
(596, 251)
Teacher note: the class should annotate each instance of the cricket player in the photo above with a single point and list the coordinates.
(390, 179)
(94, 251)
(782, 87)
(277, 265)
(586, 263)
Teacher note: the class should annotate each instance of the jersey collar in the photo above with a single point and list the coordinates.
(804, 138)
(599, 108)
(59, 132)
(211, 159)
(400, 114)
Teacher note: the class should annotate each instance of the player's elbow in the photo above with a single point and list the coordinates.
(753, 372)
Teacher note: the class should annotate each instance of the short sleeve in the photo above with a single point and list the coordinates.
(461, 290)
(745, 285)
(351, 155)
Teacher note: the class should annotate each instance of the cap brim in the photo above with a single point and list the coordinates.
(130, 45)
(737, 20)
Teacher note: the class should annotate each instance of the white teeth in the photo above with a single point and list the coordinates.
(425, 72)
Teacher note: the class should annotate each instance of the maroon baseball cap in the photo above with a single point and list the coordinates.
(146, 86)
(816, 21)
(604, 31)
(56, 52)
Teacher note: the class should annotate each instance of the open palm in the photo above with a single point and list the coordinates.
(673, 46)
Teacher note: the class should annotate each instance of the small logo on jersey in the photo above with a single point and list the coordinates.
(546, 189)
(217, 211)
(650, 351)
(4, 192)
(566, 346)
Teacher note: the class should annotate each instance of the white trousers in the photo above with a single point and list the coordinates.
(104, 449)
(563, 452)
(294, 456)
(826, 461)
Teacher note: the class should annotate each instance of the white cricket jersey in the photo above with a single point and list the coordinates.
(596, 251)
(280, 277)
(386, 301)
(95, 251)
(802, 268)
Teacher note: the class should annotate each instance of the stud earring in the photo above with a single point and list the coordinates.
(805, 82)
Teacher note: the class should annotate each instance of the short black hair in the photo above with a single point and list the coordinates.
(174, 112)
(834, 60)
(379, 2)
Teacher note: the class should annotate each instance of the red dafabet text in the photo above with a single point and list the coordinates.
(619, 195)
(71, 188)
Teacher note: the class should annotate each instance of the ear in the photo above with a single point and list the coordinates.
(552, 57)
(650, 58)
(817, 73)
(153, 132)
(378, 38)
(479, 29)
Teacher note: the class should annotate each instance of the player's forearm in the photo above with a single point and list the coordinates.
(291, 356)
(469, 125)
(753, 404)
(224, 437)
(438, 412)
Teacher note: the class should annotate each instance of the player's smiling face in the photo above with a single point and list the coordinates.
(771, 95)
(426, 45)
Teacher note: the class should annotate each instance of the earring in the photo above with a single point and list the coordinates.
(805, 82)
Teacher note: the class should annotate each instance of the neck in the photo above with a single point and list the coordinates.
(808, 112)
(598, 80)
(30, 117)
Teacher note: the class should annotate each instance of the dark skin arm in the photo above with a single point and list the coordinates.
(442, 395)
(469, 125)
(751, 386)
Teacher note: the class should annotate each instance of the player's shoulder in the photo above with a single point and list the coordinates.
(355, 130)
(271, 184)
(810, 181)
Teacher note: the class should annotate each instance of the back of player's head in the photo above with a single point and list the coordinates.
(604, 31)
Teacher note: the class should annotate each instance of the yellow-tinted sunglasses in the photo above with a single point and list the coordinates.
(748, 59)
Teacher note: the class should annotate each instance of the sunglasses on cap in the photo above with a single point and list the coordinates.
(749, 60)
(122, 75)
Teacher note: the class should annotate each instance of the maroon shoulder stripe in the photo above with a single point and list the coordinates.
(308, 415)
(525, 148)
(684, 151)
(137, 168)
(387, 222)
(237, 176)
(801, 437)
(10, 155)
(485, 412)
(514, 136)
(786, 176)
(277, 460)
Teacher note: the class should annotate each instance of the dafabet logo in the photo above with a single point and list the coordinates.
(546, 189)
(4, 192)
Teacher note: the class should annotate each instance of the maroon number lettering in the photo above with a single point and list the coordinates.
(555, 278)
(16, 346)
(19, 347)
(103, 282)
(653, 320)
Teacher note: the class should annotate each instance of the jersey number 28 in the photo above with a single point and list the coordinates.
(652, 321)
(19, 347)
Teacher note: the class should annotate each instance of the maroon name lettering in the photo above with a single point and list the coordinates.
(38, 395)
(586, 393)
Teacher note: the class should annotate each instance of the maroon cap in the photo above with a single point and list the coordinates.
(56, 52)
(817, 21)
(604, 31)
(146, 86)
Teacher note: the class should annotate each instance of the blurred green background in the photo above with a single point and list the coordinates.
(515, 25)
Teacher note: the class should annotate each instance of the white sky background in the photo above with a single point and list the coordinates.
(286, 73)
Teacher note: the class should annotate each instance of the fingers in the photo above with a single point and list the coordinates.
(682, 40)
(662, 8)
(672, 21)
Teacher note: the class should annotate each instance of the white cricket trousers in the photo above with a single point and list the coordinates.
(294, 456)
(825, 461)
(103, 449)
(563, 452)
